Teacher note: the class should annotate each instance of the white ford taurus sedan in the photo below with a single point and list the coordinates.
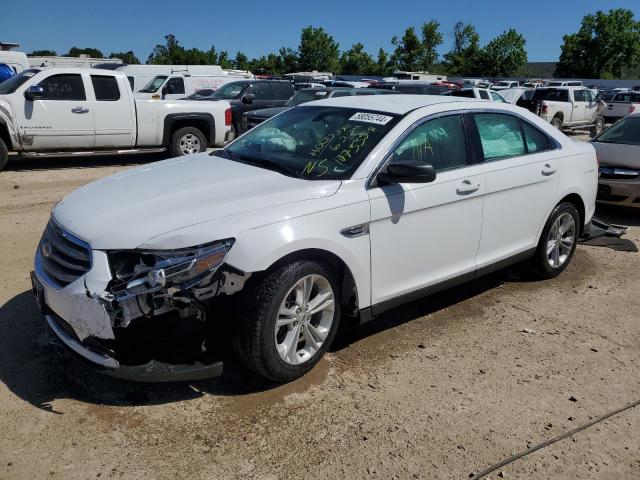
(341, 208)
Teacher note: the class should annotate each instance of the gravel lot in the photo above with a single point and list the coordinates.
(437, 389)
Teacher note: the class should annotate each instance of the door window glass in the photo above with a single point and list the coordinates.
(500, 135)
(105, 88)
(578, 96)
(484, 95)
(536, 140)
(440, 142)
(63, 87)
(284, 91)
(175, 86)
(262, 91)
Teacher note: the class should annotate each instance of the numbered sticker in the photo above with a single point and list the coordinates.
(371, 118)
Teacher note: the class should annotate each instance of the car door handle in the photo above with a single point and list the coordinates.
(79, 110)
(548, 170)
(466, 187)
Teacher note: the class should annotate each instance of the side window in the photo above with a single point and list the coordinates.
(535, 139)
(63, 87)
(484, 95)
(105, 88)
(589, 96)
(283, 90)
(500, 135)
(496, 97)
(262, 91)
(131, 82)
(175, 86)
(578, 96)
(440, 142)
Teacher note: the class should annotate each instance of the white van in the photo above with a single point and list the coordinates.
(140, 75)
(17, 61)
(171, 87)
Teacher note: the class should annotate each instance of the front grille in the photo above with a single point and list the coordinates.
(64, 258)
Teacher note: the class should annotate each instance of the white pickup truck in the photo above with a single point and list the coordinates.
(59, 111)
(621, 105)
(568, 108)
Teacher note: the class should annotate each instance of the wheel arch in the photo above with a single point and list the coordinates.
(578, 202)
(349, 289)
(202, 121)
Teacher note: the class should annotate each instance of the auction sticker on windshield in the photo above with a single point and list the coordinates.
(371, 118)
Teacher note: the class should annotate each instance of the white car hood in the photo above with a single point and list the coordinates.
(125, 210)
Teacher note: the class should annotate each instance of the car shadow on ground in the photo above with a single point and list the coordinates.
(35, 367)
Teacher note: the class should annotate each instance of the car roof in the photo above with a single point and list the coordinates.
(326, 89)
(397, 104)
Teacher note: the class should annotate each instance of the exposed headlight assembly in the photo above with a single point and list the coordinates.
(139, 272)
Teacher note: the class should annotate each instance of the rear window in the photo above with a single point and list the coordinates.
(105, 88)
(551, 95)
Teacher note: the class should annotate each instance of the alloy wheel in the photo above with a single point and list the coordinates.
(189, 144)
(561, 239)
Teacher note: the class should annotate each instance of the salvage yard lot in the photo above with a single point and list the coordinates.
(437, 389)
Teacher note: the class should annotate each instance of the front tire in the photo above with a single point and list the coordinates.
(187, 141)
(4, 154)
(557, 243)
(288, 320)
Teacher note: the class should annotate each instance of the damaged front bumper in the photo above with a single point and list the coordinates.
(169, 345)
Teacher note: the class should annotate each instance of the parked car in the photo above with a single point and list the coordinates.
(341, 208)
(563, 83)
(411, 88)
(622, 104)
(618, 150)
(248, 95)
(478, 93)
(54, 110)
(568, 108)
(255, 117)
(532, 84)
(177, 86)
(140, 76)
(501, 85)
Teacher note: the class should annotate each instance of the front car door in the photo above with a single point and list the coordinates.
(521, 168)
(424, 234)
(62, 118)
(579, 112)
(173, 89)
(114, 112)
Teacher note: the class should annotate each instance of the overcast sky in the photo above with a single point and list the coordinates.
(260, 27)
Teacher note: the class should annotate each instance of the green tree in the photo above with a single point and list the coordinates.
(171, 53)
(91, 52)
(505, 55)
(606, 45)
(43, 53)
(224, 61)
(383, 66)
(241, 62)
(289, 59)
(318, 50)
(465, 56)
(271, 64)
(127, 58)
(408, 51)
(356, 61)
(431, 40)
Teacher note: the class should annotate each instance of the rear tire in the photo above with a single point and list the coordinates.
(556, 122)
(187, 141)
(557, 243)
(597, 127)
(283, 331)
(4, 154)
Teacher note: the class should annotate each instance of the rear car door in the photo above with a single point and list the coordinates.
(423, 234)
(264, 96)
(521, 168)
(591, 106)
(114, 112)
(62, 118)
(283, 91)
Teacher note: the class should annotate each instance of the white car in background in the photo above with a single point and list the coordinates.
(477, 93)
(503, 84)
(338, 208)
(621, 105)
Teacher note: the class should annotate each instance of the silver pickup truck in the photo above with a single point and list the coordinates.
(58, 111)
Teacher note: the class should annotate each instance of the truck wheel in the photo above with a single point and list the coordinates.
(4, 154)
(289, 320)
(557, 243)
(187, 141)
(556, 122)
(598, 126)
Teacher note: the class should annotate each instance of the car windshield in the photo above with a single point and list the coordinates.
(154, 85)
(626, 131)
(503, 84)
(230, 91)
(11, 85)
(312, 143)
(304, 96)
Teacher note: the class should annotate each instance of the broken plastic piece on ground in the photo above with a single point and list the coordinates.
(602, 234)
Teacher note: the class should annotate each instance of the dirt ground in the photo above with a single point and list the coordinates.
(437, 389)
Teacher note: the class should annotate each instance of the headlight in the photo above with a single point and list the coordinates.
(149, 271)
